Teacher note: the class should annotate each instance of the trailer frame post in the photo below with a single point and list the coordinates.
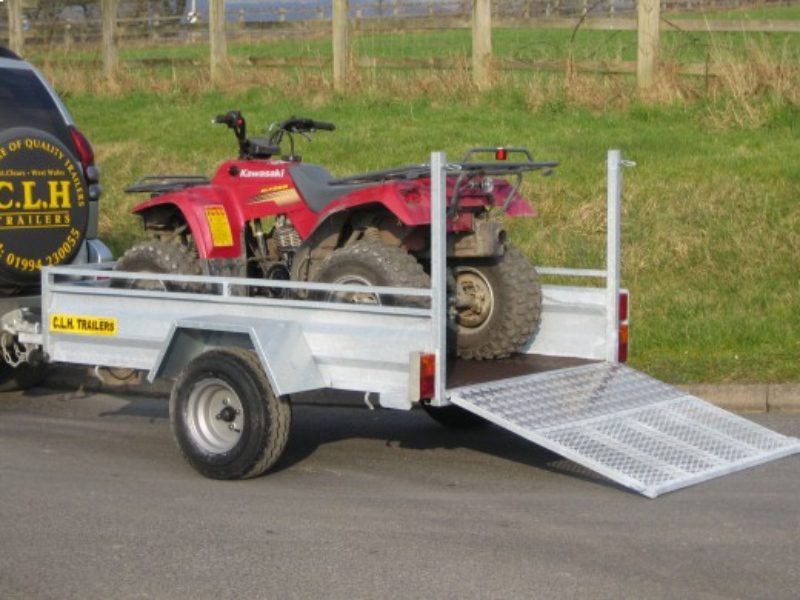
(439, 271)
(613, 261)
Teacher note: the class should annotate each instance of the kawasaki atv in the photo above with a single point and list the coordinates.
(268, 215)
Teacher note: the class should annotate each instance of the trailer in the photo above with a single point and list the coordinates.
(238, 349)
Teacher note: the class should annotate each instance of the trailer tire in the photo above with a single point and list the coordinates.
(158, 256)
(454, 417)
(371, 262)
(506, 306)
(226, 419)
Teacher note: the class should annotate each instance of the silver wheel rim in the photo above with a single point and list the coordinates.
(354, 297)
(469, 319)
(215, 416)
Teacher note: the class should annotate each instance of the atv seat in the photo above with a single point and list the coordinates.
(314, 185)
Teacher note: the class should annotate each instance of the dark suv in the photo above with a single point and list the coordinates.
(49, 184)
(49, 192)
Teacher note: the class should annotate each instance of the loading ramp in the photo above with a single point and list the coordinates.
(627, 426)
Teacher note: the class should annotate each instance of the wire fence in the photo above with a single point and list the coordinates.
(264, 20)
(406, 35)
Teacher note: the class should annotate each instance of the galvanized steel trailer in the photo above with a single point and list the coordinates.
(236, 359)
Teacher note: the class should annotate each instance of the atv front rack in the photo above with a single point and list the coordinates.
(161, 184)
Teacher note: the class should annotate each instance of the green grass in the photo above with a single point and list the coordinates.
(711, 227)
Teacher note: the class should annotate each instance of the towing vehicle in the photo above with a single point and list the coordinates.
(237, 356)
(49, 197)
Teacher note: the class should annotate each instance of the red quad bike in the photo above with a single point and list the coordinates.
(279, 218)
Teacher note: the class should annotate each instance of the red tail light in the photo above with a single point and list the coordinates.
(623, 327)
(500, 154)
(623, 307)
(83, 147)
(427, 376)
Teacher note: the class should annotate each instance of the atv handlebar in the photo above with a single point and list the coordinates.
(301, 125)
(230, 119)
(259, 148)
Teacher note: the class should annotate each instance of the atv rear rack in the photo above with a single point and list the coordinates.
(465, 168)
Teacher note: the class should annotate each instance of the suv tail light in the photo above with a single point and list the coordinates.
(85, 154)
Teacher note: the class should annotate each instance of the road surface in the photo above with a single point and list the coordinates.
(95, 502)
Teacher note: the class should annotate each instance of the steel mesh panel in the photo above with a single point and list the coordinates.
(625, 425)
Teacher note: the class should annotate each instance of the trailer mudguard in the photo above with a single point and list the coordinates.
(281, 347)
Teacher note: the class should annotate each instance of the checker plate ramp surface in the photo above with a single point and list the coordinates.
(625, 425)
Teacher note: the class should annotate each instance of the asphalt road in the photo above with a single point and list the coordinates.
(96, 503)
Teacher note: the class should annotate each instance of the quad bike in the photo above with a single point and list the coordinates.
(268, 215)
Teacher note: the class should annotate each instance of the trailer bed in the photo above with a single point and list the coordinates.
(462, 372)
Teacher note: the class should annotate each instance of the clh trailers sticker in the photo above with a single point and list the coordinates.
(84, 325)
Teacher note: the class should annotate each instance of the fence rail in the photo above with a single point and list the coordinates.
(369, 20)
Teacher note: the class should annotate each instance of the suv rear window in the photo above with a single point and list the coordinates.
(25, 102)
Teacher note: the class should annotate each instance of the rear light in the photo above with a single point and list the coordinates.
(500, 154)
(85, 153)
(622, 354)
(427, 376)
(623, 307)
(623, 344)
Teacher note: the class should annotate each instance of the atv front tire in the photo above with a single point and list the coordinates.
(157, 256)
(499, 305)
(371, 263)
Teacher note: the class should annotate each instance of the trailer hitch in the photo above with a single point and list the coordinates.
(16, 353)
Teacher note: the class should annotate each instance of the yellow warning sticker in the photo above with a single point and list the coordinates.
(83, 325)
(219, 226)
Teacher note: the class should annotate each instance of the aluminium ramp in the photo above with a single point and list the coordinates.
(625, 425)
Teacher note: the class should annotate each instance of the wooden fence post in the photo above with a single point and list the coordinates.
(16, 39)
(110, 38)
(482, 43)
(219, 43)
(648, 15)
(341, 43)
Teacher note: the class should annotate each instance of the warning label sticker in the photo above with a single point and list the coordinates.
(219, 226)
(83, 325)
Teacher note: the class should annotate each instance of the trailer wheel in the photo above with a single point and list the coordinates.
(498, 304)
(226, 419)
(454, 417)
(158, 256)
(371, 262)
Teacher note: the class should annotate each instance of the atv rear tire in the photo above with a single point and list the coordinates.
(504, 309)
(157, 256)
(370, 262)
